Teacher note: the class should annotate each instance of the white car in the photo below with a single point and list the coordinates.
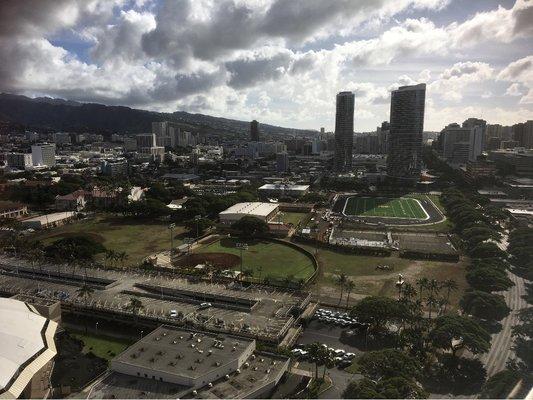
(205, 305)
(173, 314)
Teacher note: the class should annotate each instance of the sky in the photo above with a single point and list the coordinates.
(278, 61)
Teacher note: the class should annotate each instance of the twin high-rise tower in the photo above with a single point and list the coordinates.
(344, 131)
(404, 155)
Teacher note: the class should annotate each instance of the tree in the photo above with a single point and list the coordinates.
(487, 306)
(85, 292)
(198, 225)
(449, 285)
(378, 310)
(340, 280)
(314, 350)
(388, 363)
(422, 284)
(458, 375)
(350, 286)
(488, 279)
(393, 388)
(487, 249)
(250, 226)
(455, 332)
(523, 344)
(135, 305)
(499, 385)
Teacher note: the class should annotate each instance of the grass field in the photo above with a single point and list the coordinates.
(266, 258)
(384, 207)
(292, 217)
(102, 346)
(138, 238)
(369, 281)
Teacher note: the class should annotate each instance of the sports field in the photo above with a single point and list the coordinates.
(382, 207)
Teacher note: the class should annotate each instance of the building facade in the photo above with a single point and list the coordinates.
(254, 131)
(344, 131)
(405, 136)
(44, 154)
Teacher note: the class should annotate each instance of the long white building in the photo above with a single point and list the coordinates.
(263, 211)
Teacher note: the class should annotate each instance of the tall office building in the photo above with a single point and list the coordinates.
(523, 134)
(480, 143)
(405, 136)
(254, 131)
(282, 162)
(461, 144)
(44, 154)
(344, 131)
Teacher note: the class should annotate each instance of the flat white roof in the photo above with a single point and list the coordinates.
(47, 218)
(20, 336)
(251, 208)
(281, 186)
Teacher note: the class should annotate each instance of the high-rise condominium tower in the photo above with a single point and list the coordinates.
(344, 131)
(405, 136)
(254, 131)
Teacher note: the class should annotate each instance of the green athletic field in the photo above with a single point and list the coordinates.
(384, 207)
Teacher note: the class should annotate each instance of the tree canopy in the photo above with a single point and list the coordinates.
(454, 332)
(379, 310)
(389, 363)
(250, 226)
(488, 279)
(487, 306)
(392, 388)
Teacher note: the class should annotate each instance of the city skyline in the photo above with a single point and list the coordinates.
(249, 60)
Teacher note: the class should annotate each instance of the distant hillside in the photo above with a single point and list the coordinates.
(58, 114)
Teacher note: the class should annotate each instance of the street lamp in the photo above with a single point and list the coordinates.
(171, 228)
(96, 328)
(197, 219)
(242, 247)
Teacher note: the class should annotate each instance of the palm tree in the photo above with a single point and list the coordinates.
(341, 281)
(85, 292)
(408, 291)
(450, 285)
(434, 287)
(431, 302)
(422, 284)
(328, 360)
(350, 285)
(315, 350)
(260, 270)
(135, 305)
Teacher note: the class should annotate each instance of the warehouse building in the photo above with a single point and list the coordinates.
(27, 351)
(263, 211)
(224, 366)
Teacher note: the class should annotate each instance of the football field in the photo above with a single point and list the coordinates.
(385, 208)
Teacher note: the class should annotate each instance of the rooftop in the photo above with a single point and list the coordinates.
(183, 353)
(251, 208)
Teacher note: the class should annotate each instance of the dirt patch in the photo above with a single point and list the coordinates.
(89, 235)
(220, 260)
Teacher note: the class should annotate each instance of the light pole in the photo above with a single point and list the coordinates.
(241, 247)
(171, 228)
(197, 220)
(96, 328)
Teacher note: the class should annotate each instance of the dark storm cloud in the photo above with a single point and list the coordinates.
(183, 85)
(251, 71)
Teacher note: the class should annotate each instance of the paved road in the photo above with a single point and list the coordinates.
(500, 351)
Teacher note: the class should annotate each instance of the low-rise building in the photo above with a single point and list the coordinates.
(283, 190)
(263, 211)
(215, 365)
(74, 201)
(12, 210)
(49, 220)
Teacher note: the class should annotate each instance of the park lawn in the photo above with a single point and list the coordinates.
(266, 258)
(292, 217)
(102, 346)
(139, 238)
(371, 282)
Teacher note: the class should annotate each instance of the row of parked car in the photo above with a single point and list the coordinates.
(338, 318)
(341, 358)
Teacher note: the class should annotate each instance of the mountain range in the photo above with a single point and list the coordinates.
(65, 115)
